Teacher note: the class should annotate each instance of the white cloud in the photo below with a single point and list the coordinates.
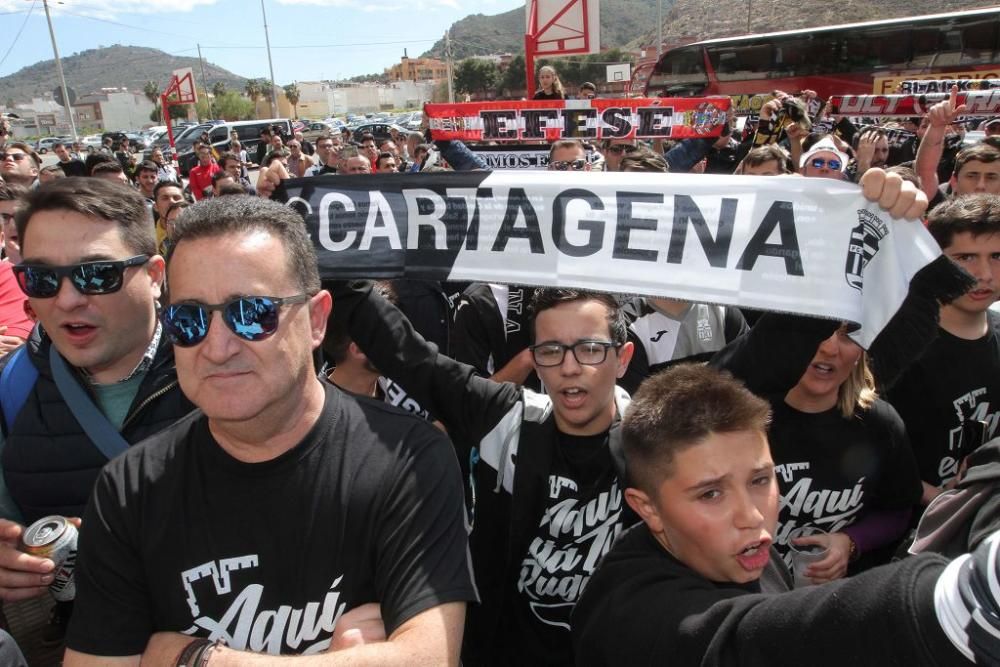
(110, 8)
(364, 5)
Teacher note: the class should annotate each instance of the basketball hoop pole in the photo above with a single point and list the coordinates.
(530, 49)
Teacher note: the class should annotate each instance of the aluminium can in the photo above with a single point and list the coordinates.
(54, 537)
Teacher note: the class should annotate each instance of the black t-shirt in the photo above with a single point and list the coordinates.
(179, 536)
(73, 167)
(955, 382)
(831, 469)
(583, 515)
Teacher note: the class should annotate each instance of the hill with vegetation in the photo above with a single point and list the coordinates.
(107, 67)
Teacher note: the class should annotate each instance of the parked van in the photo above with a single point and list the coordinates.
(248, 132)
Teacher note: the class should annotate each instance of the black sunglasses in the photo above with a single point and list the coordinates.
(563, 165)
(40, 281)
(17, 157)
(618, 149)
(251, 318)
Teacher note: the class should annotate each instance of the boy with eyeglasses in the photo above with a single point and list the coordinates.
(92, 277)
(280, 504)
(545, 501)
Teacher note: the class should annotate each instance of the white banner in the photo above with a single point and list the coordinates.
(801, 245)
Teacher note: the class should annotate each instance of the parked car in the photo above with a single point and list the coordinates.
(136, 141)
(319, 129)
(381, 131)
(44, 145)
(91, 142)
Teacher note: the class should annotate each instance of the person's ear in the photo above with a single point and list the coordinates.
(642, 504)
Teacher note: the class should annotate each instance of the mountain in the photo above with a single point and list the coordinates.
(688, 19)
(478, 34)
(113, 66)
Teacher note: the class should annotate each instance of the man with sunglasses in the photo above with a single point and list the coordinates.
(568, 155)
(545, 500)
(92, 277)
(282, 502)
(19, 164)
(614, 149)
(824, 160)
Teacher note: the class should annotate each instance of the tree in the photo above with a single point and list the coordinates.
(477, 75)
(292, 93)
(514, 79)
(152, 92)
(218, 89)
(253, 89)
(233, 106)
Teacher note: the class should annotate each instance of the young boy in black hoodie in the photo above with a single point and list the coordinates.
(697, 583)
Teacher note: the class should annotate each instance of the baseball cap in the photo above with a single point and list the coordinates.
(825, 145)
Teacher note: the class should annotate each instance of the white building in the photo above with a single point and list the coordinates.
(320, 99)
(113, 109)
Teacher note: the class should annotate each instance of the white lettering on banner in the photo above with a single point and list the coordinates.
(559, 563)
(781, 243)
(245, 626)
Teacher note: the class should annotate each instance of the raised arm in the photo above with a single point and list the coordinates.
(931, 147)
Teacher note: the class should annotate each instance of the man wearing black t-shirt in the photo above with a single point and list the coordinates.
(280, 504)
(950, 398)
(546, 499)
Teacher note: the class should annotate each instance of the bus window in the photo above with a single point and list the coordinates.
(979, 42)
(805, 56)
(742, 62)
(886, 48)
(924, 43)
(680, 72)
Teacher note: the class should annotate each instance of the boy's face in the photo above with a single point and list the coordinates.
(583, 395)
(980, 256)
(717, 512)
(977, 177)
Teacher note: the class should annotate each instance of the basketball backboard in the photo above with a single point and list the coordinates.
(182, 89)
(564, 27)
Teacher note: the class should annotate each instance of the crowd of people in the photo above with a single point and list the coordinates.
(414, 472)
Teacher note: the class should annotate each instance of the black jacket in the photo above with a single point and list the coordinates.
(49, 463)
(497, 424)
(644, 607)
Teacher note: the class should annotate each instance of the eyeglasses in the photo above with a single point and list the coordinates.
(251, 318)
(40, 281)
(586, 352)
(618, 149)
(6, 217)
(819, 163)
(16, 157)
(563, 165)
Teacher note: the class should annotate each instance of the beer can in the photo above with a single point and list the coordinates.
(54, 537)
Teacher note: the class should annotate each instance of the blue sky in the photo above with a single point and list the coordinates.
(329, 39)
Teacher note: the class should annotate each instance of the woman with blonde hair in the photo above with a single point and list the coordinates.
(549, 85)
(844, 463)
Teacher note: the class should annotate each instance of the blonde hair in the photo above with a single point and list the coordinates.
(557, 86)
(858, 390)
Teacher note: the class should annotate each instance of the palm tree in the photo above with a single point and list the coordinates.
(253, 89)
(292, 93)
(218, 88)
(152, 92)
